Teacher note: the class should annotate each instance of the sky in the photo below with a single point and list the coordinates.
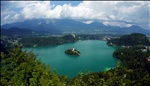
(115, 13)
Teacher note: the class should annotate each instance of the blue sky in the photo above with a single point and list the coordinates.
(115, 13)
(73, 3)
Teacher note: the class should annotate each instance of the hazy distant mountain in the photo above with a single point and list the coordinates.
(36, 25)
(73, 26)
(16, 31)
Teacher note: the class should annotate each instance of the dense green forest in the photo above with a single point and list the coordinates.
(21, 68)
(130, 40)
(47, 41)
(133, 58)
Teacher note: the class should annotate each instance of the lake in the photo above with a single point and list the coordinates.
(95, 56)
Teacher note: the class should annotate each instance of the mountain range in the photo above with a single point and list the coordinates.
(73, 26)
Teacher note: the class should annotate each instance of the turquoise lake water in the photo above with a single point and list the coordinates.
(95, 56)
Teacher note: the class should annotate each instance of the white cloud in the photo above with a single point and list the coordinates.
(87, 22)
(55, 13)
(120, 24)
(129, 11)
(36, 10)
(16, 16)
(6, 17)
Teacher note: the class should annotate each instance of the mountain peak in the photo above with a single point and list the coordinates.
(74, 26)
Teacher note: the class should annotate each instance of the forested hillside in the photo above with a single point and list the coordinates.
(21, 68)
(47, 41)
(130, 40)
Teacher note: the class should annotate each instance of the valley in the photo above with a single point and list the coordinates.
(75, 43)
(130, 64)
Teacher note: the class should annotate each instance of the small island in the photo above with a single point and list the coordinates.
(72, 51)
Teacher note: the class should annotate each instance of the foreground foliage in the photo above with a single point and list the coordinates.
(20, 68)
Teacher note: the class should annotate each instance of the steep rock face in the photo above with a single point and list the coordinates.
(130, 40)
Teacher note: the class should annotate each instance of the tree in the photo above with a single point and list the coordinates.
(21, 68)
